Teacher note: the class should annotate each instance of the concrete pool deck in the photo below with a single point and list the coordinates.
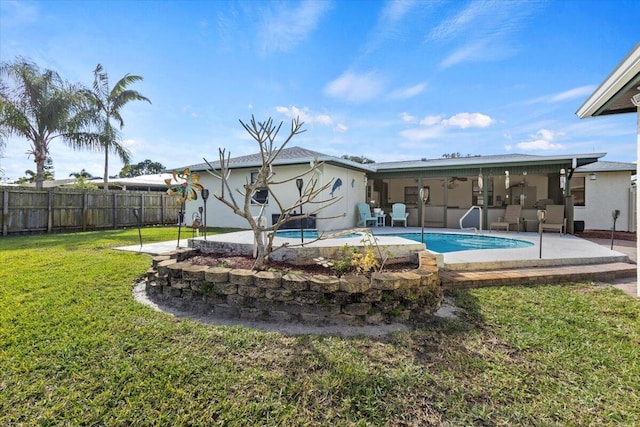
(557, 251)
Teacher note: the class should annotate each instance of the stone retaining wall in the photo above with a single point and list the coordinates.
(313, 299)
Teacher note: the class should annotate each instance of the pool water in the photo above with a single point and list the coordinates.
(450, 242)
(309, 234)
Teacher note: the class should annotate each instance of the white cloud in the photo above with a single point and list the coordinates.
(285, 26)
(541, 140)
(469, 120)
(418, 134)
(575, 93)
(305, 115)
(354, 87)
(341, 128)
(431, 120)
(409, 92)
(17, 13)
(408, 118)
(482, 30)
(508, 147)
(435, 126)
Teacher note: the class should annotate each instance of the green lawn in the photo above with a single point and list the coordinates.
(76, 349)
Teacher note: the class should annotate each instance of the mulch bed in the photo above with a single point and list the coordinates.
(606, 234)
(245, 262)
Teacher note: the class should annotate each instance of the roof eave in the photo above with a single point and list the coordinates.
(621, 79)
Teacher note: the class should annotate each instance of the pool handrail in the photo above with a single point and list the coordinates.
(467, 213)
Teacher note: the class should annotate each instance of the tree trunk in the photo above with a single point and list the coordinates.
(262, 257)
(106, 168)
(40, 157)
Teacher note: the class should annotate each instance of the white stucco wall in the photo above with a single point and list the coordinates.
(351, 192)
(608, 192)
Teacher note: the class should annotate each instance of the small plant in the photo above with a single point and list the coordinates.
(364, 263)
(397, 310)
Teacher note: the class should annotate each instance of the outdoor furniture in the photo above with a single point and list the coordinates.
(380, 217)
(399, 213)
(364, 216)
(511, 217)
(554, 219)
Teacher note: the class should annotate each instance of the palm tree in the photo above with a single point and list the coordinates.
(82, 174)
(108, 103)
(40, 106)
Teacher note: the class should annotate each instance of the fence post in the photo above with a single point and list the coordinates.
(85, 202)
(50, 210)
(162, 209)
(5, 212)
(115, 206)
(141, 208)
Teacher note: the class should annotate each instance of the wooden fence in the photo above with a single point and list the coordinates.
(26, 210)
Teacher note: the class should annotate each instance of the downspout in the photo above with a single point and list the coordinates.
(636, 101)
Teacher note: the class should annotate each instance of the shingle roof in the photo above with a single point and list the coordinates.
(288, 156)
(299, 155)
(493, 160)
(603, 166)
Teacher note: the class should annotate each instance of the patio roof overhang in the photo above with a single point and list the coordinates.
(489, 166)
(615, 93)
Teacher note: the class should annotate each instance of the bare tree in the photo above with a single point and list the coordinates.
(265, 134)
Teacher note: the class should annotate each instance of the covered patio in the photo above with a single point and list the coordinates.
(489, 182)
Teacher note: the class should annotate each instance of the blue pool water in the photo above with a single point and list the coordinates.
(444, 242)
(437, 242)
(308, 234)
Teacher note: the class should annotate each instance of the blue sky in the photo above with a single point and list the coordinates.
(386, 80)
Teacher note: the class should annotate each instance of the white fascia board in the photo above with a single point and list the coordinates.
(619, 77)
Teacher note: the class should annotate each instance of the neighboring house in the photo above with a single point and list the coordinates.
(532, 181)
(154, 182)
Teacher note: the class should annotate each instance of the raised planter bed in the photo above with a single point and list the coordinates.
(385, 297)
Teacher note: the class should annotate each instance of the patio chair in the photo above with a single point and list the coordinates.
(364, 216)
(511, 217)
(399, 213)
(554, 219)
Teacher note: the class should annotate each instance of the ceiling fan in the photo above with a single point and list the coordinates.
(453, 181)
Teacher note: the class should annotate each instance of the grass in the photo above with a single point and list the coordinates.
(76, 349)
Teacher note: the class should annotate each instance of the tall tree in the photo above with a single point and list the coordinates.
(143, 168)
(265, 133)
(108, 103)
(40, 106)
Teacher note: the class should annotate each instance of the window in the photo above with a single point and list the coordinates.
(577, 191)
(261, 196)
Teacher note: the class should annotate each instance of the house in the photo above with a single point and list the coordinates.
(600, 188)
(454, 186)
(154, 182)
(347, 181)
(619, 93)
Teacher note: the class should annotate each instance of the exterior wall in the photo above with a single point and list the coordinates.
(351, 192)
(608, 192)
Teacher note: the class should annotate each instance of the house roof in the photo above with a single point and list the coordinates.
(155, 181)
(424, 167)
(488, 164)
(288, 156)
(614, 95)
(604, 166)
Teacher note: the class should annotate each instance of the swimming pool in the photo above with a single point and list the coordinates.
(309, 234)
(436, 242)
(451, 242)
